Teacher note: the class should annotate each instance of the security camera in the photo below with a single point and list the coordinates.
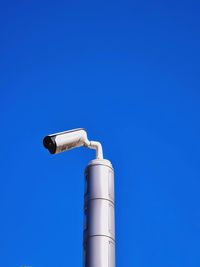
(66, 140)
(63, 141)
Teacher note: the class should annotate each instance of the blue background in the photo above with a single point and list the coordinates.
(128, 72)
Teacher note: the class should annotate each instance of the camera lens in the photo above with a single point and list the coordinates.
(50, 144)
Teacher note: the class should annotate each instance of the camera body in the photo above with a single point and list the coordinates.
(59, 142)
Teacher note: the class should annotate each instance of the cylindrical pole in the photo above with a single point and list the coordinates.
(99, 226)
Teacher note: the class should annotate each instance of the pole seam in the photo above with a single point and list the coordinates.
(99, 198)
(87, 237)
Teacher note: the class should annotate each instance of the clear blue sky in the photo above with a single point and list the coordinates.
(129, 73)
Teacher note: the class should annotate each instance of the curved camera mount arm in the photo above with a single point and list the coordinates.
(98, 147)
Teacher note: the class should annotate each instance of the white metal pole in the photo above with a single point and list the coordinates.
(99, 228)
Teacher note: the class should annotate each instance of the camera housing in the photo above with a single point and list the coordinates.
(59, 142)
